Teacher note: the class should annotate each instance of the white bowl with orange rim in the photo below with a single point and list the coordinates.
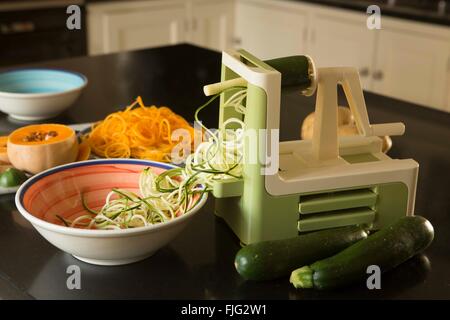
(58, 191)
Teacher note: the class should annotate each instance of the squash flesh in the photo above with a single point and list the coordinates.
(3, 151)
(35, 156)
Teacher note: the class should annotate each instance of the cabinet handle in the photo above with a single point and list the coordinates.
(378, 75)
(236, 41)
(364, 72)
(17, 27)
(312, 36)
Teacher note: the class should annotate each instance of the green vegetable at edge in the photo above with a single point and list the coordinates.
(274, 259)
(386, 248)
(12, 177)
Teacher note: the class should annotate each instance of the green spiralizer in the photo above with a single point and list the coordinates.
(307, 185)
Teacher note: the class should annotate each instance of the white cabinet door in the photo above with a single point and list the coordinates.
(212, 24)
(270, 31)
(144, 29)
(137, 25)
(341, 39)
(412, 67)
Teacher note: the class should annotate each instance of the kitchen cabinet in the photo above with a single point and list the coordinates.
(408, 61)
(404, 59)
(268, 31)
(112, 27)
(212, 24)
(343, 41)
(128, 25)
(143, 29)
(412, 67)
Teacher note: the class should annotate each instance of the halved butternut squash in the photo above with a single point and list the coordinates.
(36, 148)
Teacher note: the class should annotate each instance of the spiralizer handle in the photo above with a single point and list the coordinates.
(388, 129)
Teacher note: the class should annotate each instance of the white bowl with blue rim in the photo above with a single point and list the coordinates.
(37, 94)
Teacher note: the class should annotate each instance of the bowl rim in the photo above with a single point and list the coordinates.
(7, 94)
(95, 232)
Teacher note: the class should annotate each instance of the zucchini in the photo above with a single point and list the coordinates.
(12, 177)
(295, 71)
(274, 259)
(386, 248)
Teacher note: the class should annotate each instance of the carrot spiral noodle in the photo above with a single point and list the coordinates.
(139, 131)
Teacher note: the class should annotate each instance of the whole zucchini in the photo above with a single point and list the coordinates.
(274, 259)
(294, 71)
(386, 248)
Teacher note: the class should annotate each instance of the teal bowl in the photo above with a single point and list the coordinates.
(37, 94)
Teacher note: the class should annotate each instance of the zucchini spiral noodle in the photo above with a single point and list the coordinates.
(174, 192)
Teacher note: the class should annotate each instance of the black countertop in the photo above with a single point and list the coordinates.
(199, 262)
(416, 10)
